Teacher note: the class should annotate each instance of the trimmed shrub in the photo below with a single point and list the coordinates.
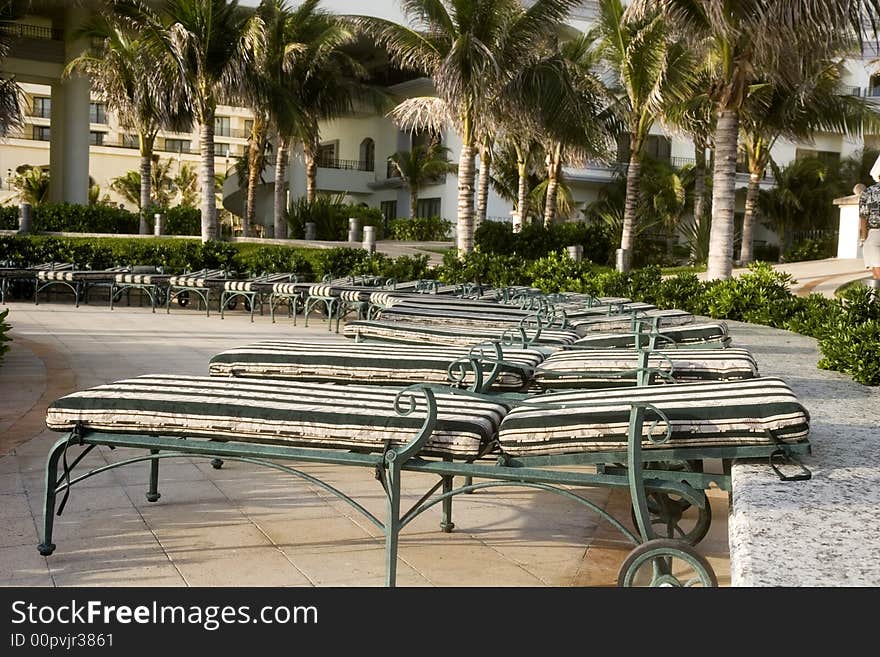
(420, 229)
(535, 241)
(330, 217)
(181, 220)
(813, 249)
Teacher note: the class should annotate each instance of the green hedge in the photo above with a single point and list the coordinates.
(535, 241)
(178, 255)
(4, 328)
(420, 229)
(330, 217)
(73, 218)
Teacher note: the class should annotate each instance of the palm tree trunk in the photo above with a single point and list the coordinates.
(206, 179)
(723, 199)
(282, 154)
(746, 250)
(256, 149)
(699, 186)
(483, 186)
(465, 218)
(310, 153)
(627, 234)
(146, 188)
(554, 161)
(413, 199)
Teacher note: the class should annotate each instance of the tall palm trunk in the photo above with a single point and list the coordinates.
(146, 185)
(483, 186)
(554, 163)
(699, 187)
(256, 151)
(627, 234)
(413, 199)
(310, 153)
(723, 199)
(746, 250)
(282, 155)
(206, 179)
(522, 197)
(465, 218)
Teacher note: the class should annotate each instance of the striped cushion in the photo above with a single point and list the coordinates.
(710, 333)
(446, 335)
(591, 368)
(287, 288)
(366, 363)
(142, 279)
(251, 410)
(241, 286)
(449, 316)
(83, 275)
(48, 275)
(729, 413)
(624, 321)
(198, 279)
(601, 310)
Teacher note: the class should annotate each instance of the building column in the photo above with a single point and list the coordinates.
(69, 148)
(404, 143)
(56, 145)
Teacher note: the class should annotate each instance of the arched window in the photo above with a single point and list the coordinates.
(367, 160)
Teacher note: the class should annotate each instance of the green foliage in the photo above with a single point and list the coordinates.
(403, 268)
(557, 271)
(420, 229)
(73, 218)
(812, 249)
(854, 349)
(483, 268)
(760, 296)
(330, 216)
(4, 328)
(766, 252)
(182, 220)
(535, 241)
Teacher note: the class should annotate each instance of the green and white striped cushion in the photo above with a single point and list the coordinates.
(709, 333)
(198, 279)
(287, 288)
(503, 317)
(729, 413)
(142, 279)
(624, 321)
(364, 363)
(408, 333)
(46, 275)
(271, 411)
(593, 368)
(70, 276)
(573, 312)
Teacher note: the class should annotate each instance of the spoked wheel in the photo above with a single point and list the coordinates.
(247, 304)
(183, 299)
(666, 562)
(674, 517)
(232, 304)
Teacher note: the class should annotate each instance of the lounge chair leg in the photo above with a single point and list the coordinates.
(47, 547)
(392, 525)
(153, 494)
(469, 481)
(446, 524)
(216, 463)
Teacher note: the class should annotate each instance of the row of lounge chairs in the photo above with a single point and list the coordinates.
(526, 398)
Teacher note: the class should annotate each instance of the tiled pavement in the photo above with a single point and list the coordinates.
(245, 525)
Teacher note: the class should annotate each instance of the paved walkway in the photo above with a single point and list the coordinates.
(819, 276)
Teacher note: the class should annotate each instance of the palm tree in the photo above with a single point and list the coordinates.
(744, 41)
(815, 101)
(32, 184)
(469, 48)
(11, 116)
(129, 186)
(651, 70)
(125, 74)
(419, 167)
(204, 47)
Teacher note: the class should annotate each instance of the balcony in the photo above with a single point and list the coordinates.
(347, 165)
(33, 41)
(13, 30)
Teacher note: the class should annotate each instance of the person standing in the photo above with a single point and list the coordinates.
(869, 228)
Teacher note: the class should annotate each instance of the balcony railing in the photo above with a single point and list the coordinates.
(25, 31)
(349, 165)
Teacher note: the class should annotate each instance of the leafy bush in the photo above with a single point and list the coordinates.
(4, 328)
(181, 220)
(8, 217)
(766, 252)
(535, 241)
(483, 268)
(854, 349)
(330, 216)
(420, 229)
(811, 249)
(402, 268)
(73, 218)
(557, 271)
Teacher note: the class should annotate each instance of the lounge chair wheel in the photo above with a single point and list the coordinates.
(666, 562)
(674, 517)
(232, 304)
(183, 299)
(216, 463)
(46, 548)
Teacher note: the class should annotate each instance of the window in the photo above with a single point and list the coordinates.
(42, 133)
(248, 127)
(222, 127)
(97, 113)
(327, 155)
(221, 150)
(828, 158)
(96, 138)
(130, 141)
(389, 210)
(428, 207)
(42, 107)
(367, 159)
(177, 145)
(659, 148)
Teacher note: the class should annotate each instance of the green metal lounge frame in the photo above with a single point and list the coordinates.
(78, 281)
(660, 494)
(11, 273)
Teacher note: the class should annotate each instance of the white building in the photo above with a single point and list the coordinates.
(72, 134)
